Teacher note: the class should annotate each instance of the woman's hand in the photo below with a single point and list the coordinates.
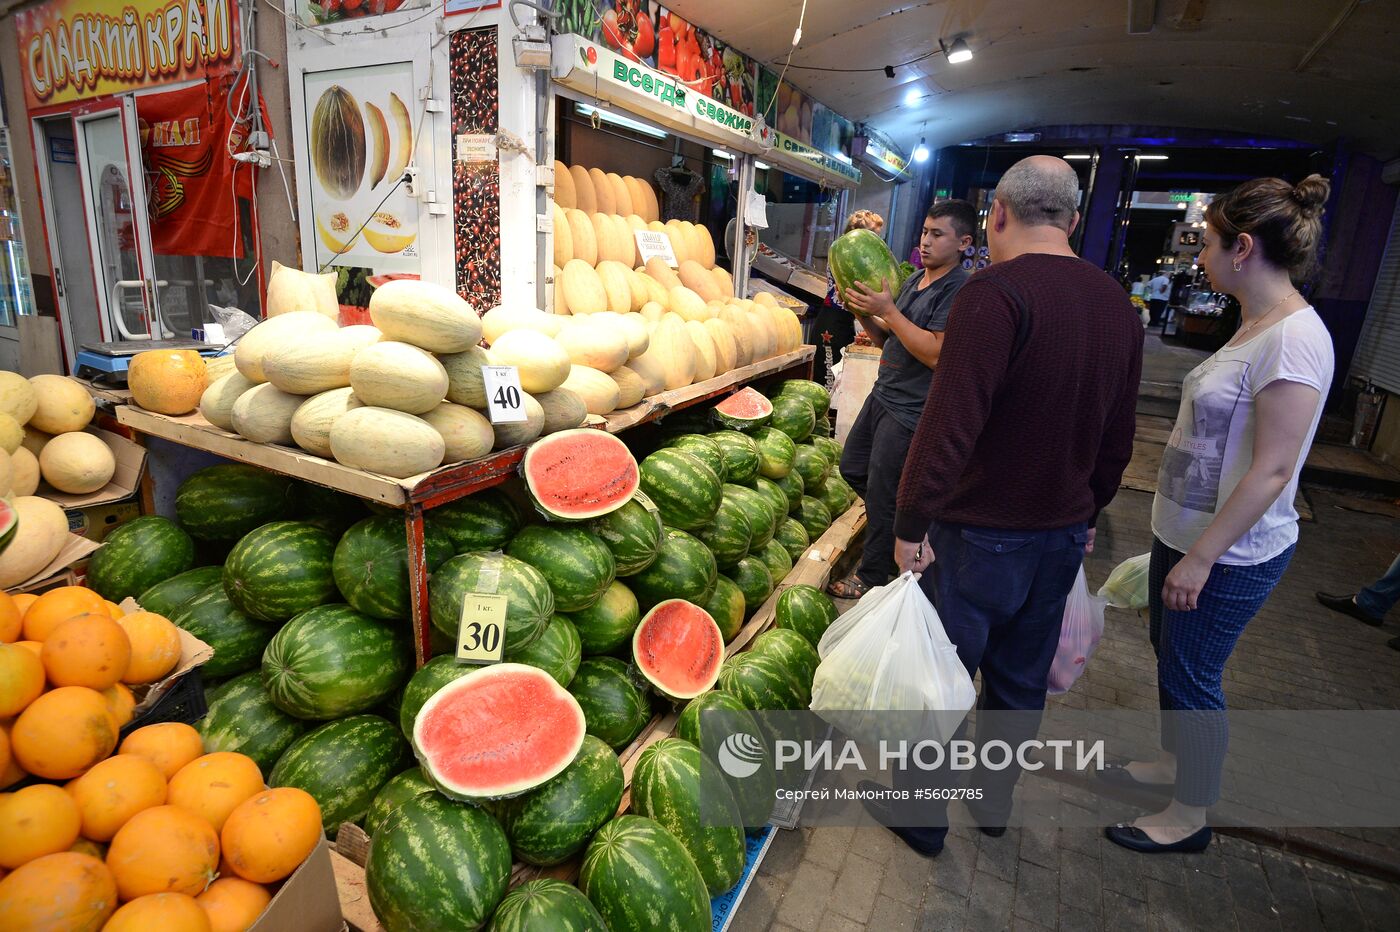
(1184, 584)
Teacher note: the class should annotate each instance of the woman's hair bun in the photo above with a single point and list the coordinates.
(1311, 194)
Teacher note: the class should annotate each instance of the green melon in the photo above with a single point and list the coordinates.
(811, 464)
(530, 600)
(726, 606)
(242, 718)
(706, 722)
(741, 456)
(137, 555)
(632, 533)
(830, 448)
(775, 452)
(835, 494)
(684, 569)
(332, 661)
(754, 580)
(806, 610)
(556, 652)
(279, 570)
(549, 825)
(793, 487)
(400, 789)
(686, 794)
(484, 520)
(775, 495)
(792, 650)
(703, 449)
(614, 708)
(817, 396)
(814, 516)
(226, 501)
(608, 624)
(793, 536)
(426, 680)
(685, 490)
(165, 597)
(329, 510)
(775, 557)
(762, 682)
(728, 534)
(794, 416)
(763, 521)
(343, 764)
(547, 905)
(238, 640)
(370, 564)
(578, 566)
(642, 880)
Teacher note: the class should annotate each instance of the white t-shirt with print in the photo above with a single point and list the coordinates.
(1212, 444)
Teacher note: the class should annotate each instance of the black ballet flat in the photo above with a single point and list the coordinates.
(1135, 839)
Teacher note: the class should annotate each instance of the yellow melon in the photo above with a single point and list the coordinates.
(17, 397)
(62, 405)
(77, 463)
(565, 195)
(167, 381)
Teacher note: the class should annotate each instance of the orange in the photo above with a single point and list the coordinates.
(168, 912)
(22, 602)
(11, 619)
(57, 606)
(214, 785)
(5, 756)
(87, 650)
(32, 646)
(233, 904)
(63, 733)
(87, 846)
(267, 837)
(155, 646)
(120, 702)
(113, 791)
(21, 679)
(165, 849)
(58, 891)
(168, 745)
(113, 609)
(12, 772)
(35, 821)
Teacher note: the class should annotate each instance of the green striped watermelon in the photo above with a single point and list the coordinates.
(329, 510)
(551, 824)
(830, 448)
(484, 520)
(703, 449)
(763, 521)
(614, 708)
(280, 569)
(726, 607)
(343, 764)
(556, 652)
(793, 651)
(794, 416)
(835, 494)
(578, 566)
(225, 502)
(678, 648)
(331, 661)
(815, 516)
(746, 410)
(686, 794)
(775, 495)
(793, 487)
(806, 610)
(547, 905)
(706, 722)
(741, 457)
(531, 602)
(762, 682)
(238, 640)
(754, 580)
(823, 428)
(607, 624)
(642, 880)
(685, 490)
(632, 533)
(426, 680)
(436, 864)
(775, 557)
(165, 597)
(370, 565)
(137, 555)
(728, 534)
(793, 536)
(684, 569)
(811, 464)
(400, 789)
(243, 718)
(817, 395)
(775, 452)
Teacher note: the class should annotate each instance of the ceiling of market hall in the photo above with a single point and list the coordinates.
(1309, 70)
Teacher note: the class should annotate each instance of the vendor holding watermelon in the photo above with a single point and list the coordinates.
(909, 329)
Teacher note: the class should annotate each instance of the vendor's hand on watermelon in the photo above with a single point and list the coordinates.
(862, 300)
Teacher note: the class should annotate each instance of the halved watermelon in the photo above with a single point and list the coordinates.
(579, 474)
(9, 522)
(679, 649)
(744, 410)
(502, 731)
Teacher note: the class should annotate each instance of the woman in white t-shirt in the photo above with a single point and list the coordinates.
(1223, 517)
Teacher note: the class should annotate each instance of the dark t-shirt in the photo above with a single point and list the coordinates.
(902, 384)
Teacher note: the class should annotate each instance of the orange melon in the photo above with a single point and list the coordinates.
(113, 791)
(168, 912)
(22, 602)
(88, 846)
(11, 773)
(35, 821)
(167, 381)
(155, 646)
(121, 702)
(21, 678)
(168, 745)
(234, 904)
(11, 619)
(57, 606)
(165, 849)
(67, 891)
(113, 609)
(215, 784)
(89, 650)
(32, 646)
(269, 835)
(63, 733)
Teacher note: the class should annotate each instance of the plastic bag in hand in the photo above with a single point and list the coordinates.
(1079, 635)
(890, 653)
(1126, 586)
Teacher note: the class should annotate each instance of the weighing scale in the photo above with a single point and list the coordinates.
(107, 363)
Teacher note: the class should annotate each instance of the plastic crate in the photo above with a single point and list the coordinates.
(182, 702)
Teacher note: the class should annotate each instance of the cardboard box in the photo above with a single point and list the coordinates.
(307, 901)
(131, 461)
(97, 521)
(193, 652)
(74, 549)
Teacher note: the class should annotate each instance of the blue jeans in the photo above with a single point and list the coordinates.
(1001, 596)
(1381, 596)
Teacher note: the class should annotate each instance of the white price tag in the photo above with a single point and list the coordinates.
(505, 402)
(481, 629)
(652, 243)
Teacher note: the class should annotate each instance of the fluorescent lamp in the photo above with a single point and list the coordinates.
(921, 151)
(1077, 156)
(913, 96)
(957, 53)
(843, 157)
(615, 120)
(721, 154)
(1151, 158)
(762, 166)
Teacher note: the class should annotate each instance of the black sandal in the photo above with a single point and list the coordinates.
(849, 588)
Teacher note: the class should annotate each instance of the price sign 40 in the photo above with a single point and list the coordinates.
(505, 402)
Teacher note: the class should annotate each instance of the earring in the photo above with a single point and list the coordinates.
(1237, 265)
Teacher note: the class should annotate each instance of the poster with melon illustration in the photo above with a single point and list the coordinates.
(359, 140)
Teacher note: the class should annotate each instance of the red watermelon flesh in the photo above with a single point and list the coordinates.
(744, 410)
(579, 474)
(502, 731)
(679, 649)
(9, 522)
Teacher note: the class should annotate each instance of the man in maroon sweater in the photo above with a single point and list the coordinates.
(1027, 429)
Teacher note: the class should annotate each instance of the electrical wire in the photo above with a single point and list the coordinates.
(796, 38)
(353, 236)
(903, 64)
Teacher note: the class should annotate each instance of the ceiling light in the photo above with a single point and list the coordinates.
(842, 157)
(957, 53)
(921, 151)
(615, 120)
(1151, 158)
(721, 154)
(762, 166)
(912, 96)
(1076, 156)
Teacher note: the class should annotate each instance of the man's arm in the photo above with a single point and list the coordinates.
(874, 329)
(923, 345)
(1116, 447)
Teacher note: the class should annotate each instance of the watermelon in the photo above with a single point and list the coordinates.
(505, 729)
(686, 794)
(329, 510)
(745, 410)
(793, 487)
(822, 429)
(684, 569)
(703, 449)
(775, 452)
(225, 502)
(862, 256)
(762, 519)
(728, 534)
(243, 718)
(688, 421)
(793, 415)
(793, 536)
(762, 683)
(370, 565)
(835, 494)
(437, 865)
(556, 652)
(551, 824)
(426, 681)
(613, 707)
(817, 395)
(726, 607)
(578, 566)
(165, 597)
(792, 650)
(775, 556)
(531, 602)
(238, 640)
(400, 789)
(806, 610)
(641, 878)
(775, 495)
(607, 624)
(741, 456)
(137, 555)
(815, 516)
(754, 580)
(632, 533)
(484, 520)
(279, 570)
(707, 722)
(811, 464)
(343, 764)
(331, 661)
(574, 475)
(830, 448)
(9, 523)
(547, 905)
(678, 648)
(685, 490)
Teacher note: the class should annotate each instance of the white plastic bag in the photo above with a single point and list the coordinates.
(890, 654)
(1079, 636)
(1126, 586)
